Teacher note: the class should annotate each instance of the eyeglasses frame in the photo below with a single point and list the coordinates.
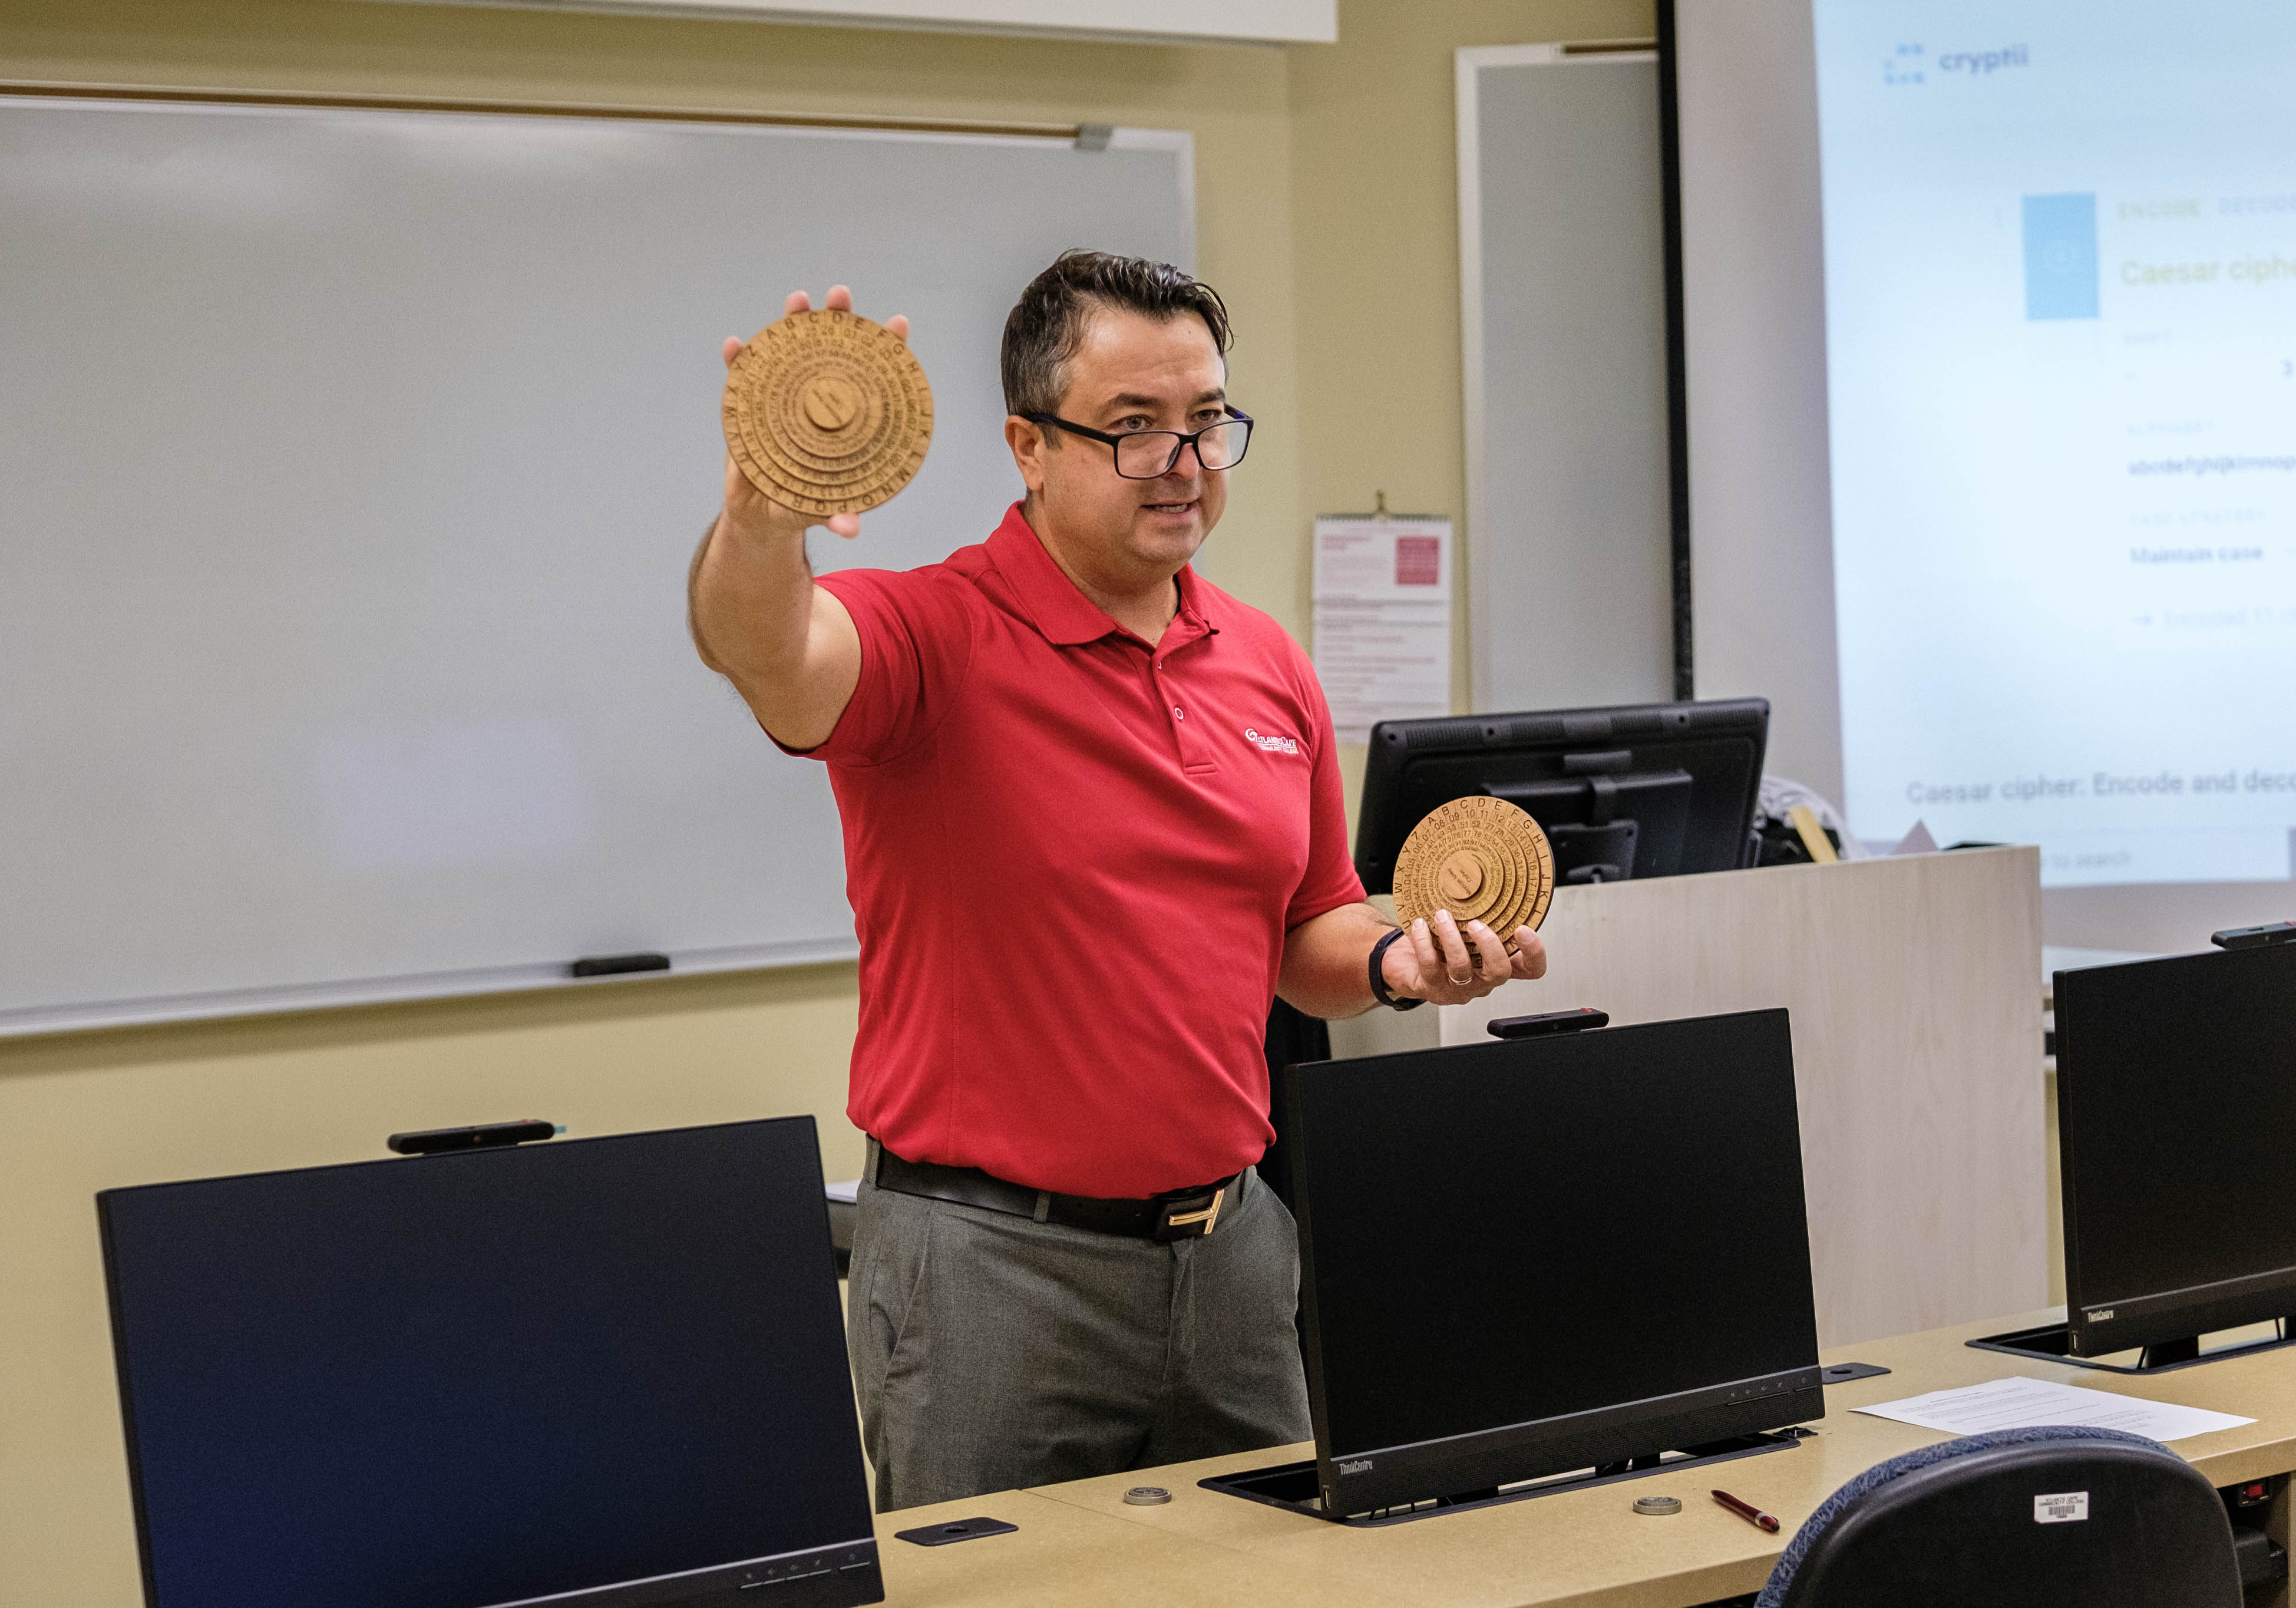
(1184, 441)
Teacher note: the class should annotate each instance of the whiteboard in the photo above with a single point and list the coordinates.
(353, 459)
(1562, 295)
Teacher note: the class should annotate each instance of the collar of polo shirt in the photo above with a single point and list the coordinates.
(1063, 613)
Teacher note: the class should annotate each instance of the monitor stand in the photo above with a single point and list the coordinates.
(2050, 1342)
(1293, 1486)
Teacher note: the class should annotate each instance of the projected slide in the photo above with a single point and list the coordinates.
(2061, 315)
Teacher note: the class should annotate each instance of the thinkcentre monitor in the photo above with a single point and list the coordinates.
(597, 1373)
(1585, 1251)
(2176, 1134)
(1634, 790)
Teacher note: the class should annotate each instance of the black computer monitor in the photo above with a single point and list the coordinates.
(1634, 790)
(2177, 1137)
(599, 1372)
(1525, 1258)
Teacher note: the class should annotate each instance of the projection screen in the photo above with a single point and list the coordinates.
(1990, 343)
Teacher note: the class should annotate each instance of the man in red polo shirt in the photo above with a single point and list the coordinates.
(1092, 824)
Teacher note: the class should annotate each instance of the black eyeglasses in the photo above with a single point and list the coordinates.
(1143, 454)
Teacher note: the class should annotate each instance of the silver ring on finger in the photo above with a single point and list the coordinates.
(1460, 982)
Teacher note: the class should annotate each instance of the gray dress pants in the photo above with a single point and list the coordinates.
(992, 1352)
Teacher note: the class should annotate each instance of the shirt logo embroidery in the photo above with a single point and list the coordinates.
(1270, 745)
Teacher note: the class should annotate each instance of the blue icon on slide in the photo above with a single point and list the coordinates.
(2061, 256)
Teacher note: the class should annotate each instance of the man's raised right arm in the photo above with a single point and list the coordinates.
(788, 645)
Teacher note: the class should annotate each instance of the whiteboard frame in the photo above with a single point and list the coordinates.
(88, 1015)
(402, 989)
(1470, 62)
(1260, 23)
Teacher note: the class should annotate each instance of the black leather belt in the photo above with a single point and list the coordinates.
(1179, 1214)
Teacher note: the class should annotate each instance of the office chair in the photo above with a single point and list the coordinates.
(1969, 1524)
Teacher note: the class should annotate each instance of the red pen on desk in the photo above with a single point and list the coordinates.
(1747, 1511)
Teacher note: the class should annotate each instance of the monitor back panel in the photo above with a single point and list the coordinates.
(2177, 1129)
(482, 1378)
(1525, 1257)
(1554, 764)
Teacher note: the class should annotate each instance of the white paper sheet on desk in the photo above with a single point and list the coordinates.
(2020, 1403)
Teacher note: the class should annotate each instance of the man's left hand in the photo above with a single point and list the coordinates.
(1440, 960)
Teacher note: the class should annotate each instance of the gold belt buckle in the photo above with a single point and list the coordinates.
(1172, 1224)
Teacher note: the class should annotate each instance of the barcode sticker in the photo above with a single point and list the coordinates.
(2066, 1507)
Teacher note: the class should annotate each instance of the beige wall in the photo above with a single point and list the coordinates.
(1376, 205)
(1326, 214)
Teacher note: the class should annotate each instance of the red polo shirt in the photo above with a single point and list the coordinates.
(1072, 859)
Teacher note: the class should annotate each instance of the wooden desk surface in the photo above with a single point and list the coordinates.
(1066, 1554)
(1080, 1542)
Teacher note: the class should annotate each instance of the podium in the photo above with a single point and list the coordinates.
(1917, 1057)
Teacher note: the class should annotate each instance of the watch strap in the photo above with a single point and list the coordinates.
(1379, 980)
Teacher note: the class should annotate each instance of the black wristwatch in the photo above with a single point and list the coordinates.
(1379, 983)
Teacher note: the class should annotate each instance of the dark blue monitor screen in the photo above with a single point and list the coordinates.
(479, 1378)
(1526, 1257)
(2177, 1124)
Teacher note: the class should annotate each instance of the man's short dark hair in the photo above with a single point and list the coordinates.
(1046, 325)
